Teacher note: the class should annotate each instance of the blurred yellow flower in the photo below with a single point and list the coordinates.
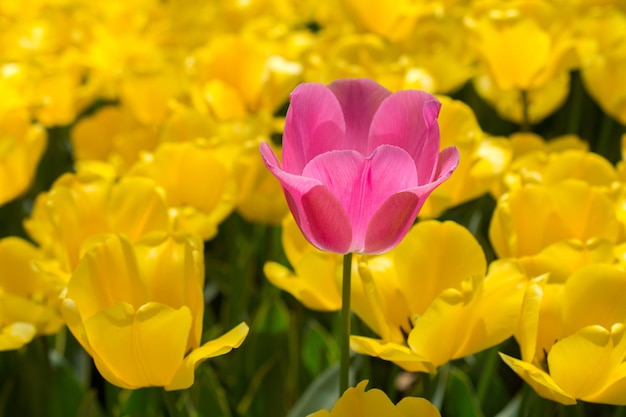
(573, 345)
(438, 45)
(22, 144)
(352, 55)
(429, 309)
(113, 135)
(483, 159)
(138, 310)
(555, 228)
(393, 21)
(28, 295)
(198, 185)
(603, 54)
(236, 75)
(526, 49)
(374, 403)
(260, 195)
(79, 206)
(541, 102)
(522, 44)
(548, 163)
(314, 280)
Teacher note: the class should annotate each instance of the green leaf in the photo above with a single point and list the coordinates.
(319, 348)
(322, 393)
(209, 395)
(461, 400)
(512, 408)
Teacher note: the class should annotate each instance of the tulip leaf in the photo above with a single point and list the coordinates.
(144, 402)
(512, 408)
(209, 394)
(461, 399)
(319, 348)
(268, 361)
(321, 393)
(69, 398)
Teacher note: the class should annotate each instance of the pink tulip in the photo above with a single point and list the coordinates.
(359, 162)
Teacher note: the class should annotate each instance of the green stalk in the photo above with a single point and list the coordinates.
(525, 127)
(344, 360)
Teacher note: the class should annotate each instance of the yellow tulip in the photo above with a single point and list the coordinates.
(82, 205)
(483, 159)
(573, 346)
(533, 217)
(260, 195)
(28, 295)
(429, 309)
(542, 101)
(114, 135)
(373, 403)
(522, 45)
(604, 57)
(314, 281)
(366, 55)
(237, 75)
(390, 20)
(536, 161)
(21, 146)
(137, 309)
(198, 185)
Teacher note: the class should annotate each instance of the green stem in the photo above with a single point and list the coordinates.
(170, 403)
(344, 360)
(486, 377)
(525, 116)
(604, 137)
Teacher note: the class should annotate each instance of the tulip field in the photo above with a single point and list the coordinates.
(296, 208)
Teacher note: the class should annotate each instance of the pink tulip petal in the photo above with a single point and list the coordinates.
(362, 185)
(359, 101)
(268, 155)
(408, 119)
(314, 124)
(327, 225)
(392, 222)
(448, 161)
(320, 215)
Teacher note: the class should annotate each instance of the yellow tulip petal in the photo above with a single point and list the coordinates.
(373, 403)
(530, 218)
(539, 380)
(74, 322)
(550, 322)
(562, 259)
(358, 402)
(514, 54)
(16, 335)
(401, 355)
(493, 313)
(581, 363)
(614, 392)
(106, 275)
(590, 167)
(163, 256)
(377, 300)
(411, 406)
(140, 348)
(21, 146)
(136, 207)
(527, 328)
(185, 374)
(423, 262)
(594, 295)
(314, 284)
